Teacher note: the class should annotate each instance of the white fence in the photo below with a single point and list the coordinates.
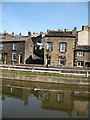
(75, 72)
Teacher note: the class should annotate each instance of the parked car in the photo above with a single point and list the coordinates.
(59, 65)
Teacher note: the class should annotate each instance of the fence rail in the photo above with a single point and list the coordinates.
(63, 71)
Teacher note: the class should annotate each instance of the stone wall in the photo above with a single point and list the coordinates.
(70, 41)
(84, 36)
(20, 48)
(85, 58)
(47, 79)
(28, 49)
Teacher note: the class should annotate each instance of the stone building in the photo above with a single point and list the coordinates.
(15, 49)
(82, 56)
(82, 50)
(84, 36)
(59, 48)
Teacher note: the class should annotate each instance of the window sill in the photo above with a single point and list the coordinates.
(62, 51)
(13, 60)
(79, 66)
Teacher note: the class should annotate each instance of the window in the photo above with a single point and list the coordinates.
(60, 97)
(1, 46)
(80, 63)
(80, 53)
(13, 56)
(46, 96)
(14, 46)
(62, 61)
(49, 46)
(63, 47)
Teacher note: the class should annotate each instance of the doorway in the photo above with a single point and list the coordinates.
(5, 55)
(20, 58)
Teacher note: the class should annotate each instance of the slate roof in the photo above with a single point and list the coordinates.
(60, 34)
(83, 48)
(11, 38)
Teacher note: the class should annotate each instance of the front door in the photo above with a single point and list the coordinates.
(20, 58)
(5, 58)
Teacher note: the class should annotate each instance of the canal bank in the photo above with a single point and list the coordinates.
(47, 79)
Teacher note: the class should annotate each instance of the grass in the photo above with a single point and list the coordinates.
(41, 74)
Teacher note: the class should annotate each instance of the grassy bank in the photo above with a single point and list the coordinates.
(41, 74)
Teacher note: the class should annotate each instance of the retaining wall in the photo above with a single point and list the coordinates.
(49, 79)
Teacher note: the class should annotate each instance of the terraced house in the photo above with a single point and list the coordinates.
(15, 49)
(59, 49)
(82, 50)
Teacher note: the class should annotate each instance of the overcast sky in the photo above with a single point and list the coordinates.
(39, 16)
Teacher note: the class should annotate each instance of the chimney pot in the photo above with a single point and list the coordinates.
(19, 33)
(29, 33)
(12, 33)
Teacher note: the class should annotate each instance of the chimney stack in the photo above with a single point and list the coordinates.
(29, 33)
(19, 33)
(12, 33)
(5, 34)
(85, 28)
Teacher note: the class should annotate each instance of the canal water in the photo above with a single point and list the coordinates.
(21, 99)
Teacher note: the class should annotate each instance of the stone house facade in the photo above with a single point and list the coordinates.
(59, 48)
(15, 49)
(82, 56)
(84, 36)
(56, 48)
(82, 50)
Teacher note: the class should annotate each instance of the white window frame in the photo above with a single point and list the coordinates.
(79, 62)
(62, 47)
(13, 56)
(14, 46)
(80, 53)
(1, 46)
(49, 46)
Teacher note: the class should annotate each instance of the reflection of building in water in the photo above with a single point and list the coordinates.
(57, 100)
(62, 99)
(15, 92)
(80, 107)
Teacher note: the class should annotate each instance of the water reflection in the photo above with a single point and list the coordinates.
(53, 100)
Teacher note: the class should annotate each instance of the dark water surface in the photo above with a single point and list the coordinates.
(22, 99)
